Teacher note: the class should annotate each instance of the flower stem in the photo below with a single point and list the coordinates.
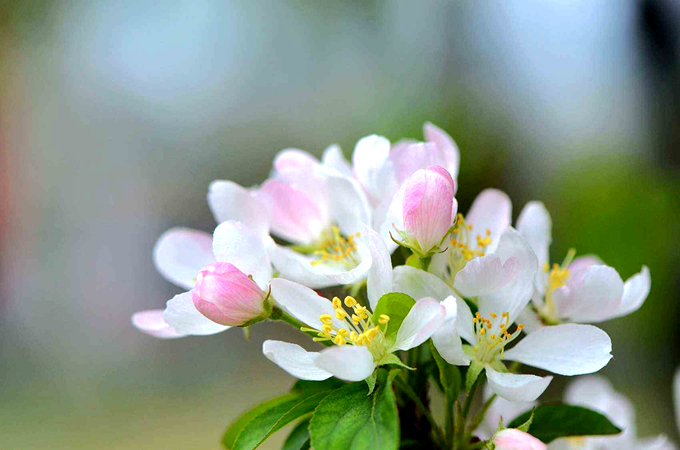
(404, 386)
(449, 418)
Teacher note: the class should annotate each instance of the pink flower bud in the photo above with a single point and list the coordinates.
(429, 206)
(227, 296)
(513, 439)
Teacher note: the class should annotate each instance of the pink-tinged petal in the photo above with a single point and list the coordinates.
(180, 253)
(410, 158)
(583, 262)
(446, 338)
(295, 360)
(514, 296)
(181, 314)
(235, 243)
(424, 319)
(227, 296)
(294, 216)
(513, 439)
(635, 292)
(446, 145)
(151, 322)
(302, 303)
(349, 363)
(334, 159)
(491, 210)
(373, 168)
(535, 226)
(229, 201)
(485, 275)
(591, 295)
(294, 162)
(379, 280)
(299, 170)
(516, 387)
(568, 349)
(429, 206)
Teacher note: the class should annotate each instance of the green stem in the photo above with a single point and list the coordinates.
(410, 393)
(449, 418)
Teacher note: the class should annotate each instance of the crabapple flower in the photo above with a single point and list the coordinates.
(227, 296)
(184, 256)
(360, 341)
(513, 439)
(596, 393)
(428, 209)
(580, 289)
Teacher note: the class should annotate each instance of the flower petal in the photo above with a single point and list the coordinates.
(582, 262)
(295, 360)
(347, 202)
(302, 302)
(568, 349)
(229, 201)
(419, 284)
(379, 281)
(426, 316)
(596, 392)
(635, 292)
(333, 158)
(235, 243)
(514, 439)
(293, 161)
(446, 338)
(180, 253)
(592, 294)
(500, 409)
(349, 363)
(152, 323)
(446, 145)
(535, 226)
(411, 157)
(491, 210)
(515, 295)
(181, 314)
(485, 275)
(373, 168)
(515, 387)
(676, 397)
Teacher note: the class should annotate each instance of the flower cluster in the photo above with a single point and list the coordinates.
(315, 245)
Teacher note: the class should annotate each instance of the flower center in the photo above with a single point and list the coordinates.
(492, 336)
(466, 245)
(358, 329)
(333, 247)
(557, 277)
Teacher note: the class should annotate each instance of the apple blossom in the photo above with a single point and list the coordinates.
(580, 289)
(513, 439)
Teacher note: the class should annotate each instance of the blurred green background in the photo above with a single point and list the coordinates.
(116, 115)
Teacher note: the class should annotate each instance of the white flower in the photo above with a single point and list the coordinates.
(596, 393)
(360, 344)
(579, 290)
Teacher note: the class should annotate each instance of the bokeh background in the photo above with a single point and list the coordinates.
(115, 117)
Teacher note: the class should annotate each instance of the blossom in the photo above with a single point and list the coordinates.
(596, 393)
(428, 208)
(513, 439)
(580, 289)
(501, 411)
(360, 341)
(182, 255)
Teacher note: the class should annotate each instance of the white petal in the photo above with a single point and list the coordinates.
(235, 243)
(152, 323)
(568, 349)
(349, 363)
(485, 275)
(229, 201)
(491, 210)
(500, 409)
(635, 292)
(530, 320)
(333, 158)
(347, 202)
(379, 280)
(181, 314)
(388, 217)
(180, 253)
(298, 267)
(448, 147)
(295, 360)
(676, 397)
(591, 295)
(426, 316)
(446, 338)
(373, 168)
(514, 296)
(517, 388)
(302, 302)
(535, 225)
(582, 262)
(419, 284)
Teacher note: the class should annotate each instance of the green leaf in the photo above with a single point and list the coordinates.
(473, 372)
(298, 439)
(245, 418)
(306, 388)
(397, 306)
(526, 425)
(393, 359)
(558, 420)
(347, 418)
(370, 381)
(449, 375)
